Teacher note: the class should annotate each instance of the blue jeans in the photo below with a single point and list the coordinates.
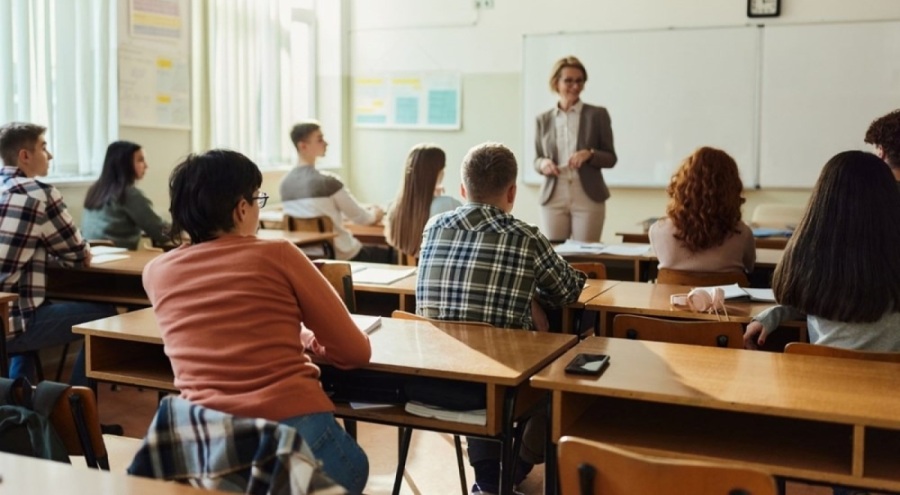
(342, 458)
(51, 326)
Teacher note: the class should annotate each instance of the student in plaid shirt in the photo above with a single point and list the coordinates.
(35, 226)
(479, 263)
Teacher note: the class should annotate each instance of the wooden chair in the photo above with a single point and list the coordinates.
(709, 333)
(588, 468)
(837, 352)
(777, 216)
(406, 260)
(321, 223)
(340, 275)
(593, 270)
(701, 279)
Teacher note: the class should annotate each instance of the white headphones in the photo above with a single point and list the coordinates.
(702, 300)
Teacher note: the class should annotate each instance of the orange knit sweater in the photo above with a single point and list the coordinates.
(230, 312)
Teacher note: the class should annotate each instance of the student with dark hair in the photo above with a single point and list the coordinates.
(230, 308)
(479, 263)
(114, 208)
(884, 134)
(35, 227)
(839, 268)
(307, 192)
(421, 197)
(703, 230)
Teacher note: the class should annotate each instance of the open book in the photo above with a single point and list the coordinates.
(735, 291)
(571, 247)
(367, 324)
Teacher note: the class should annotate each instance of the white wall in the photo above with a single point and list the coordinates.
(488, 52)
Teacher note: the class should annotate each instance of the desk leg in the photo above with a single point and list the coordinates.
(507, 450)
(551, 474)
(405, 440)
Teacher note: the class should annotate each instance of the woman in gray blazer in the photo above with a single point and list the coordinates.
(574, 143)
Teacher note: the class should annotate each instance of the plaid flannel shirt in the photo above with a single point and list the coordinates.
(34, 224)
(478, 263)
(217, 451)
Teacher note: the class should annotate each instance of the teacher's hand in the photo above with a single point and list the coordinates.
(579, 158)
(549, 168)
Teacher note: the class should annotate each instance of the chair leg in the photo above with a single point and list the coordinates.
(62, 363)
(460, 465)
(350, 427)
(39, 367)
(405, 439)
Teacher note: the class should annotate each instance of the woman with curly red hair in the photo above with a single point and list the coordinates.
(703, 230)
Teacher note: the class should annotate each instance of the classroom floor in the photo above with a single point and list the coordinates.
(430, 470)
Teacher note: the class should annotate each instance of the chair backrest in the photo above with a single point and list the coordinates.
(340, 275)
(406, 260)
(708, 333)
(313, 224)
(701, 279)
(404, 315)
(593, 270)
(777, 216)
(837, 352)
(77, 421)
(588, 468)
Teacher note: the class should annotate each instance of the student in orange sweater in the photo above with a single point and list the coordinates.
(230, 308)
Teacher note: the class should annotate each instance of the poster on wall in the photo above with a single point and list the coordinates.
(154, 88)
(425, 100)
(160, 20)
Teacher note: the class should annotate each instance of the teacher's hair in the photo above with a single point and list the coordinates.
(204, 190)
(117, 176)
(571, 62)
(705, 204)
(487, 171)
(841, 263)
(885, 132)
(412, 206)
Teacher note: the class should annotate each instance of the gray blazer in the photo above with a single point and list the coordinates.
(594, 133)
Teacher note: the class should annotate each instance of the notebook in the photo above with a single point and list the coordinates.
(98, 250)
(571, 247)
(367, 324)
(106, 258)
(734, 291)
(369, 275)
(477, 417)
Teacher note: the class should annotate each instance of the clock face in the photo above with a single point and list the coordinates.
(763, 8)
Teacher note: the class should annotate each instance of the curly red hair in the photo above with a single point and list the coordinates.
(705, 204)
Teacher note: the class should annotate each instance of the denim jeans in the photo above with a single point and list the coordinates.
(51, 326)
(342, 458)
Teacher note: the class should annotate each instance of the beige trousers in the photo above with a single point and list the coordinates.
(570, 213)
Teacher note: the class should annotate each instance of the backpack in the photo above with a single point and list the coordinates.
(25, 427)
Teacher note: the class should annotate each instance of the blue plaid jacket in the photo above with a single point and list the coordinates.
(217, 451)
(478, 263)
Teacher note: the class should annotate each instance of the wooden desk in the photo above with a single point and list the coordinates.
(592, 289)
(772, 242)
(127, 349)
(367, 234)
(23, 475)
(808, 417)
(638, 298)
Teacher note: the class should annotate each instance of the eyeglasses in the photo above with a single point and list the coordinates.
(568, 80)
(261, 199)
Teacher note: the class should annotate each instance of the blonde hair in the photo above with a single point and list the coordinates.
(572, 62)
(412, 206)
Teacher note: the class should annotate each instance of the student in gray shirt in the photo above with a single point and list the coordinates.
(840, 268)
(116, 210)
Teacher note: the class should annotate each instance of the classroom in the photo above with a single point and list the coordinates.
(185, 76)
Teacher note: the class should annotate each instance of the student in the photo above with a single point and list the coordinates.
(703, 231)
(307, 192)
(230, 308)
(421, 197)
(840, 268)
(116, 210)
(479, 263)
(884, 133)
(36, 228)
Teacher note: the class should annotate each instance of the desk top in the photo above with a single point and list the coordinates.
(29, 476)
(6, 297)
(641, 298)
(787, 385)
(490, 355)
(768, 242)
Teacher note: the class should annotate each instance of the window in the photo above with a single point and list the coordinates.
(258, 79)
(57, 69)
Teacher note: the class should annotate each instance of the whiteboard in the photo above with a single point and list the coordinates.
(822, 85)
(668, 92)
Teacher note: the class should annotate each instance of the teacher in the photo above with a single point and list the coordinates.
(574, 143)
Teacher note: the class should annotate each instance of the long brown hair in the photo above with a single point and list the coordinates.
(410, 211)
(841, 264)
(705, 204)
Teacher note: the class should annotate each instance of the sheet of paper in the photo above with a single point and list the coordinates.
(577, 247)
(381, 275)
(106, 258)
(99, 250)
(627, 249)
(762, 295)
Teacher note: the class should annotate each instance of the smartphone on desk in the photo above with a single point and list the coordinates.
(588, 364)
